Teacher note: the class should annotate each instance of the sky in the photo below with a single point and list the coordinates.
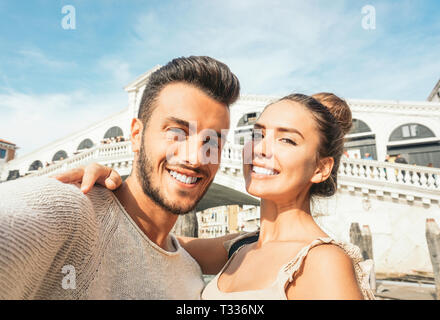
(55, 80)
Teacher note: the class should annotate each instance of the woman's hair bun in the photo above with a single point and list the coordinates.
(338, 108)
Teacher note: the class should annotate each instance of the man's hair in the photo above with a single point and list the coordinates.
(207, 74)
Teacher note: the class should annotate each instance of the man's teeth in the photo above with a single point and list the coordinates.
(261, 170)
(182, 178)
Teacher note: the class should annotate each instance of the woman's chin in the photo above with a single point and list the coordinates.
(262, 192)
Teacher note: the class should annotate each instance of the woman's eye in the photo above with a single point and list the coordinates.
(288, 141)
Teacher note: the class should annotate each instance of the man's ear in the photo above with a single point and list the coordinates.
(136, 134)
(323, 171)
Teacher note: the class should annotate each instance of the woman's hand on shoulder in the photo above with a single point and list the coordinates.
(327, 273)
(89, 175)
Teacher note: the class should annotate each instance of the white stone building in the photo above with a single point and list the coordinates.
(434, 96)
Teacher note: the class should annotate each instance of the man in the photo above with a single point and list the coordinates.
(57, 243)
(400, 159)
(368, 156)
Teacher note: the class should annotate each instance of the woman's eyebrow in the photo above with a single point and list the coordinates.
(281, 129)
(290, 130)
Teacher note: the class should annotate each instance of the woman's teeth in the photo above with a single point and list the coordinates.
(182, 178)
(261, 170)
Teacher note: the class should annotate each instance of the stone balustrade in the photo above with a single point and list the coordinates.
(391, 173)
(106, 154)
(412, 181)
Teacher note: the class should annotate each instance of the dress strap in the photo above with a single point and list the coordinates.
(363, 269)
(288, 270)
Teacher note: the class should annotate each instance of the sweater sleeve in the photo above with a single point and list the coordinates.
(43, 224)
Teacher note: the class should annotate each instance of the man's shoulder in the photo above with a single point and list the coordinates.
(41, 190)
(42, 200)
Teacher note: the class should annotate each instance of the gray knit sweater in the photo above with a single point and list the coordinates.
(57, 243)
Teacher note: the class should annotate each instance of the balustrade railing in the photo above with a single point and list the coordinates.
(97, 154)
(402, 174)
(392, 173)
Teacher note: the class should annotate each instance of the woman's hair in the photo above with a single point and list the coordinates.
(333, 119)
(338, 107)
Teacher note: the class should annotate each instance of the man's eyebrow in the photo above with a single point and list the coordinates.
(281, 129)
(185, 124)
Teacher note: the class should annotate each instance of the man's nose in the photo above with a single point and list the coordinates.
(189, 153)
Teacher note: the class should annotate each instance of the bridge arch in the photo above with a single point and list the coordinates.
(415, 142)
(85, 144)
(113, 132)
(360, 141)
(243, 129)
(59, 155)
(37, 164)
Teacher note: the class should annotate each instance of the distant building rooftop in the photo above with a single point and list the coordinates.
(435, 93)
(7, 142)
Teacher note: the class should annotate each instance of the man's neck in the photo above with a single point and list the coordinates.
(152, 219)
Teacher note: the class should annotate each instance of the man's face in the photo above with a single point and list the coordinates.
(172, 166)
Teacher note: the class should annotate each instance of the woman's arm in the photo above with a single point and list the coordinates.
(210, 253)
(90, 174)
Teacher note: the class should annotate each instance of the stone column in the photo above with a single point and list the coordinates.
(187, 225)
(433, 240)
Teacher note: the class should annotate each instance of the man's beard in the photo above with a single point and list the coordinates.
(144, 172)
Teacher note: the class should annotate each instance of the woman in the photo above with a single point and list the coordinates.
(296, 148)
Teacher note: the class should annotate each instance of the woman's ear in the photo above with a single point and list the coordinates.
(324, 170)
(136, 134)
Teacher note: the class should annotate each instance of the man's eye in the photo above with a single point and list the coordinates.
(176, 134)
(211, 141)
(288, 141)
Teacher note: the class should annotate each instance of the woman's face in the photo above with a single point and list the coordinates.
(283, 161)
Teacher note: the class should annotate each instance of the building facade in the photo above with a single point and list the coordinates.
(7, 153)
(434, 96)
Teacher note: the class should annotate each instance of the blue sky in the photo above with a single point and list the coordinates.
(55, 81)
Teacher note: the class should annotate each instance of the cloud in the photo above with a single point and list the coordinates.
(37, 57)
(37, 119)
(278, 47)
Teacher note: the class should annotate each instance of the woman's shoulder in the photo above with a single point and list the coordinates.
(336, 261)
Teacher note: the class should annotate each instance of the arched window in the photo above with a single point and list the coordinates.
(243, 135)
(85, 144)
(248, 119)
(416, 143)
(360, 141)
(113, 132)
(60, 155)
(35, 165)
(411, 131)
(359, 127)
